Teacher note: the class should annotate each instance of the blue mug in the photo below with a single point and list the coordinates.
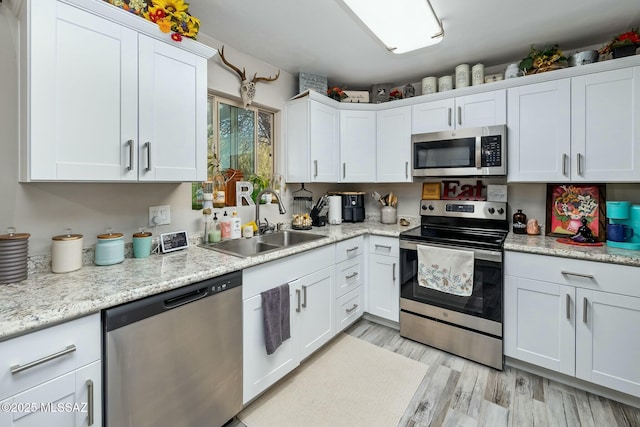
(619, 232)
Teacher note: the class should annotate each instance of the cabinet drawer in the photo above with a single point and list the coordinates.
(349, 275)
(615, 278)
(349, 308)
(349, 248)
(83, 333)
(383, 245)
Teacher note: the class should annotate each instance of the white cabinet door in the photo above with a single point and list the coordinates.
(384, 287)
(314, 308)
(434, 116)
(89, 391)
(607, 348)
(539, 132)
(83, 97)
(481, 109)
(393, 145)
(605, 126)
(297, 128)
(357, 146)
(539, 323)
(324, 134)
(259, 369)
(173, 106)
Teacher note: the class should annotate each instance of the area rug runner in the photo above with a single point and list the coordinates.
(348, 383)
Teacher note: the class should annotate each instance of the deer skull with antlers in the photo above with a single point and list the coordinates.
(247, 88)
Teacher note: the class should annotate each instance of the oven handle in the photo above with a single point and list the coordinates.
(481, 254)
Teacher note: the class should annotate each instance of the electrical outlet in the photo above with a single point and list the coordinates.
(159, 215)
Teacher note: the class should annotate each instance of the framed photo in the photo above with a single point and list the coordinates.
(173, 241)
(567, 204)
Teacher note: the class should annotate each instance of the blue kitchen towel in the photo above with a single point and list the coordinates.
(275, 311)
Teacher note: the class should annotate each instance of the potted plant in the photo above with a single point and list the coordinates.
(541, 60)
(259, 183)
(624, 44)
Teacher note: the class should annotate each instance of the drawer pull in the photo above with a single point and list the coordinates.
(304, 296)
(585, 306)
(569, 273)
(351, 276)
(355, 248)
(19, 368)
(349, 310)
(383, 247)
(298, 296)
(568, 307)
(90, 402)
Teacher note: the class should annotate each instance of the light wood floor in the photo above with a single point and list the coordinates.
(458, 392)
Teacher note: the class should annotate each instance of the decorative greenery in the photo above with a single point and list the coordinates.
(625, 39)
(336, 93)
(395, 94)
(539, 61)
(171, 16)
(259, 183)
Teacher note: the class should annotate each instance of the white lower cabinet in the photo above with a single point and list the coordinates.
(63, 390)
(574, 317)
(384, 283)
(311, 315)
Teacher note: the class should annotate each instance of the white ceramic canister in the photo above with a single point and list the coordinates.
(110, 248)
(477, 74)
(429, 85)
(388, 215)
(512, 71)
(66, 252)
(462, 75)
(445, 83)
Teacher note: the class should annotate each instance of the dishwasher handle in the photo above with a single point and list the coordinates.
(186, 298)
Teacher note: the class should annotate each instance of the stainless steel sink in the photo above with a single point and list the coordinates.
(265, 243)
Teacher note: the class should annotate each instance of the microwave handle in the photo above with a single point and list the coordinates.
(478, 152)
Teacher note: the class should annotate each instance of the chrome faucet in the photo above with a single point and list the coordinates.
(258, 198)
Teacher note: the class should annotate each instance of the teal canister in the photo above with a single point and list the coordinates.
(142, 244)
(109, 248)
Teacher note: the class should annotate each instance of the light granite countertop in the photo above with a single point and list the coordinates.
(46, 299)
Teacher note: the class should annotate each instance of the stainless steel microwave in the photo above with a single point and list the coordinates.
(478, 151)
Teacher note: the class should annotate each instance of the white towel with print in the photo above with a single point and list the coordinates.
(446, 270)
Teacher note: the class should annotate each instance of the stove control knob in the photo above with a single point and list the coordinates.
(500, 211)
(492, 211)
(424, 207)
(430, 207)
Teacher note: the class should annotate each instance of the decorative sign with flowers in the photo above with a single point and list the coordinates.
(171, 16)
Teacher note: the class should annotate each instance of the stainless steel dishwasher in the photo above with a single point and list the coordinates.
(175, 359)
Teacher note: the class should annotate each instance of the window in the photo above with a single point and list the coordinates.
(240, 138)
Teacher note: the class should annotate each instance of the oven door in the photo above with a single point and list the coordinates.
(481, 311)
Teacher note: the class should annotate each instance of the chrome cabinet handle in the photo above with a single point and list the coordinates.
(460, 115)
(298, 296)
(349, 310)
(91, 408)
(130, 144)
(148, 147)
(585, 306)
(568, 298)
(315, 165)
(394, 271)
(383, 246)
(19, 368)
(449, 116)
(569, 273)
(565, 158)
(580, 160)
(355, 248)
(406, 170)
(304, 296)
(344, 170)
(351, 276)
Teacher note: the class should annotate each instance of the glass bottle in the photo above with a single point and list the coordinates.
(519, 222)
(219, 187)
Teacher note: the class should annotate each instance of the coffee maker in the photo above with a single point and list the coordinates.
(624, 213)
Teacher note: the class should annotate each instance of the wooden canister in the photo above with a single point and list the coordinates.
(14, 248)
(232, 176)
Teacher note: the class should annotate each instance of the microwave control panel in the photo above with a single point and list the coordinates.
(491, 147)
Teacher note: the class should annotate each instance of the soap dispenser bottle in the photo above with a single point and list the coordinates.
(225, 226)
(236, 226)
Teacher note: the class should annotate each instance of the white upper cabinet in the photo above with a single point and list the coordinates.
(312, 141)
(97, 90)
(481, 109)
(539, 132)
(605, 126)
(393, 145)
(357, 146)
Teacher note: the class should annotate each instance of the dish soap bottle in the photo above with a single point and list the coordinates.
(214, 234)
(519, 222)
(236, 226)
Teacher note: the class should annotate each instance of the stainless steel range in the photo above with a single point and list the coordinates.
(465, 321)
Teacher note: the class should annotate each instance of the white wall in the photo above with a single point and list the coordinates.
(46, 209)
